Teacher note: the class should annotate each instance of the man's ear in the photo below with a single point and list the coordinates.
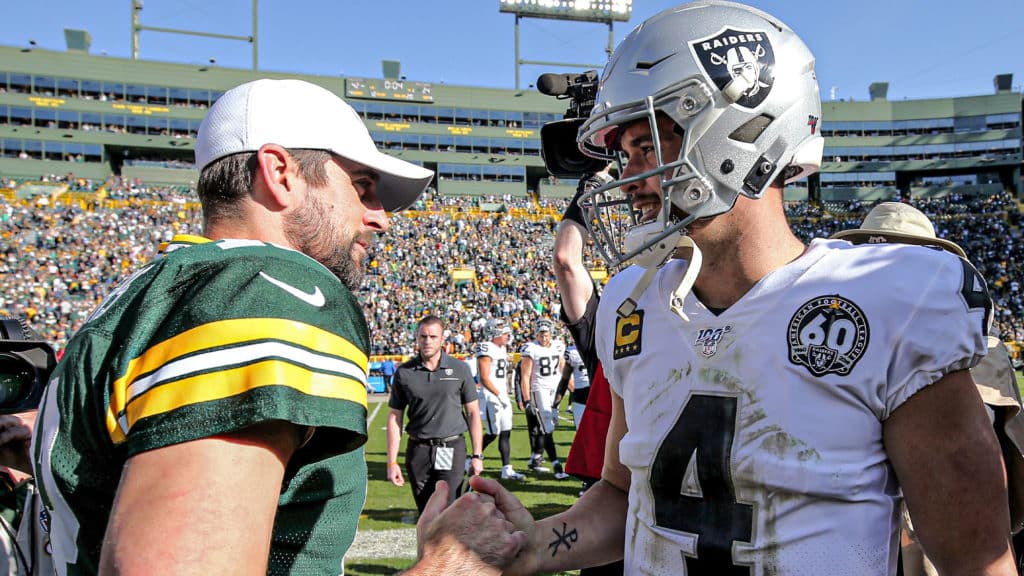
(278, 171)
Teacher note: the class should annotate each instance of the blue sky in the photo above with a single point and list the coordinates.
(923, 48)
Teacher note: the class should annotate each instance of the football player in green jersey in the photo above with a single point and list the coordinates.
(209, 417)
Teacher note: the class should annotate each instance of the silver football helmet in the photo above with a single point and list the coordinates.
(741, 89)
(544, 325)
(496, 327)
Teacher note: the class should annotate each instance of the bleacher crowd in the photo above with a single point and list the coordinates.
(59, 258)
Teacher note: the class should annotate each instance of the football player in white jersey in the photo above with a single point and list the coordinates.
(541, 368)
(492, 371)
(772, 407)
(575, 379)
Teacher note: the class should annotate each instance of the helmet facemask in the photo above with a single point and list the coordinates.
(685, 194)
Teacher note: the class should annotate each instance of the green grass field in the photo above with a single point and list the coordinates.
(389, 506)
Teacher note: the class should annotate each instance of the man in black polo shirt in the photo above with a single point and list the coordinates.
(436, 388)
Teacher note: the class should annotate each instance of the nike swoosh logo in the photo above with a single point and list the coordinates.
(314, 298)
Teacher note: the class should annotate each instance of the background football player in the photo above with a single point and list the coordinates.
(576, 381)
(541, 368)
(492, 371)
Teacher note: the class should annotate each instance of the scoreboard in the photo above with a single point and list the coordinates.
(388, 89)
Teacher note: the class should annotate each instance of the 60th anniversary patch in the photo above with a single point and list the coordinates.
(828, 335)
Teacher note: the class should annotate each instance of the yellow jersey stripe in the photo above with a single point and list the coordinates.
(222, 333)
(227, 383)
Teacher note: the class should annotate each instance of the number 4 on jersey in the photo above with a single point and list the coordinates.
(706, 426)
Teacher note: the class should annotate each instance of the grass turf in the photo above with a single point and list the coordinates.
(390, 507)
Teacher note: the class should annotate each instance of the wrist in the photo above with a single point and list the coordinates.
(393, 463)
(476, 456)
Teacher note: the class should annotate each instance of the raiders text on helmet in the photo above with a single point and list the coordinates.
(740, 86)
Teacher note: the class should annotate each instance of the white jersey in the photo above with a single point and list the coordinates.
(580, 377)
(499, 366)
(546, 364)
(755, 436)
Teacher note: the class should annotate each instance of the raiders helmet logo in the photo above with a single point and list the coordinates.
(628, 333)
(827, 335)
(745, 58)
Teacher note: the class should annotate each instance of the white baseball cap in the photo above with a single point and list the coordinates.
(298, 114)
(898, 223)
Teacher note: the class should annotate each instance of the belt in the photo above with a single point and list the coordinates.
(434, 441)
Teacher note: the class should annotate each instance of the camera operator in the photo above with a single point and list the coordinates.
(26, 361)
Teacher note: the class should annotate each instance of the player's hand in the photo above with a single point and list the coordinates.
(517, 514)
(473, 533)
(16, 440)
(527, 406)
(556, 403)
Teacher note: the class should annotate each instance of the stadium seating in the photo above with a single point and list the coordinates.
(61, 257)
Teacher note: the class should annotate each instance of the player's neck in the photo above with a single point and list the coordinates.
(734, 263)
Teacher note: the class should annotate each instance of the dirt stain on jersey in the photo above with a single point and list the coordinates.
(775, 440)
(658, 389)
(729, 383)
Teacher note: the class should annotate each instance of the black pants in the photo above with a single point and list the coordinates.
(419, 466)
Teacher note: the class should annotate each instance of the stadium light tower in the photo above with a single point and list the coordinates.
(136, 28)
(600, 11)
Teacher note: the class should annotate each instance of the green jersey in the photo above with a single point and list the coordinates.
(209, 338)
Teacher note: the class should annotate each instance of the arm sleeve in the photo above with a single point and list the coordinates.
(582, 332)
(945, 330)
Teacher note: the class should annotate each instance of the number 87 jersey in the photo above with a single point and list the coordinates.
(754, 437)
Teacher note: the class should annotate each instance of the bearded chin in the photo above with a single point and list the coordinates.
(309, 232)
(346, 269)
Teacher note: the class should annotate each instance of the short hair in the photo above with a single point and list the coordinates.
(431, 319)
(225, 181)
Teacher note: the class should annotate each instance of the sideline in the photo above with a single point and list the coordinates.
(379, 402)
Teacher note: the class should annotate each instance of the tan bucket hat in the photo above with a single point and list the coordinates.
(900, 223)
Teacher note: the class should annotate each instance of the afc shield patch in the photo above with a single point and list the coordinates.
(827, 335)
(628, 335)
(744, 56)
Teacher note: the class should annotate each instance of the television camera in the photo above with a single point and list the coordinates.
(26, 362)
(562, 157)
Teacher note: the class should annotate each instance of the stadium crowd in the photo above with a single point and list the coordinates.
(59, 258)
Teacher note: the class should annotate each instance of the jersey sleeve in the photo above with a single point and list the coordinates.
(604, 321)
(483, 349)
(947, 320)
(397, 399)
(244, 341)
(528, 351)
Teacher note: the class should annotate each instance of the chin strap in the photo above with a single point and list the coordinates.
(686, 284)
(679, 294)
